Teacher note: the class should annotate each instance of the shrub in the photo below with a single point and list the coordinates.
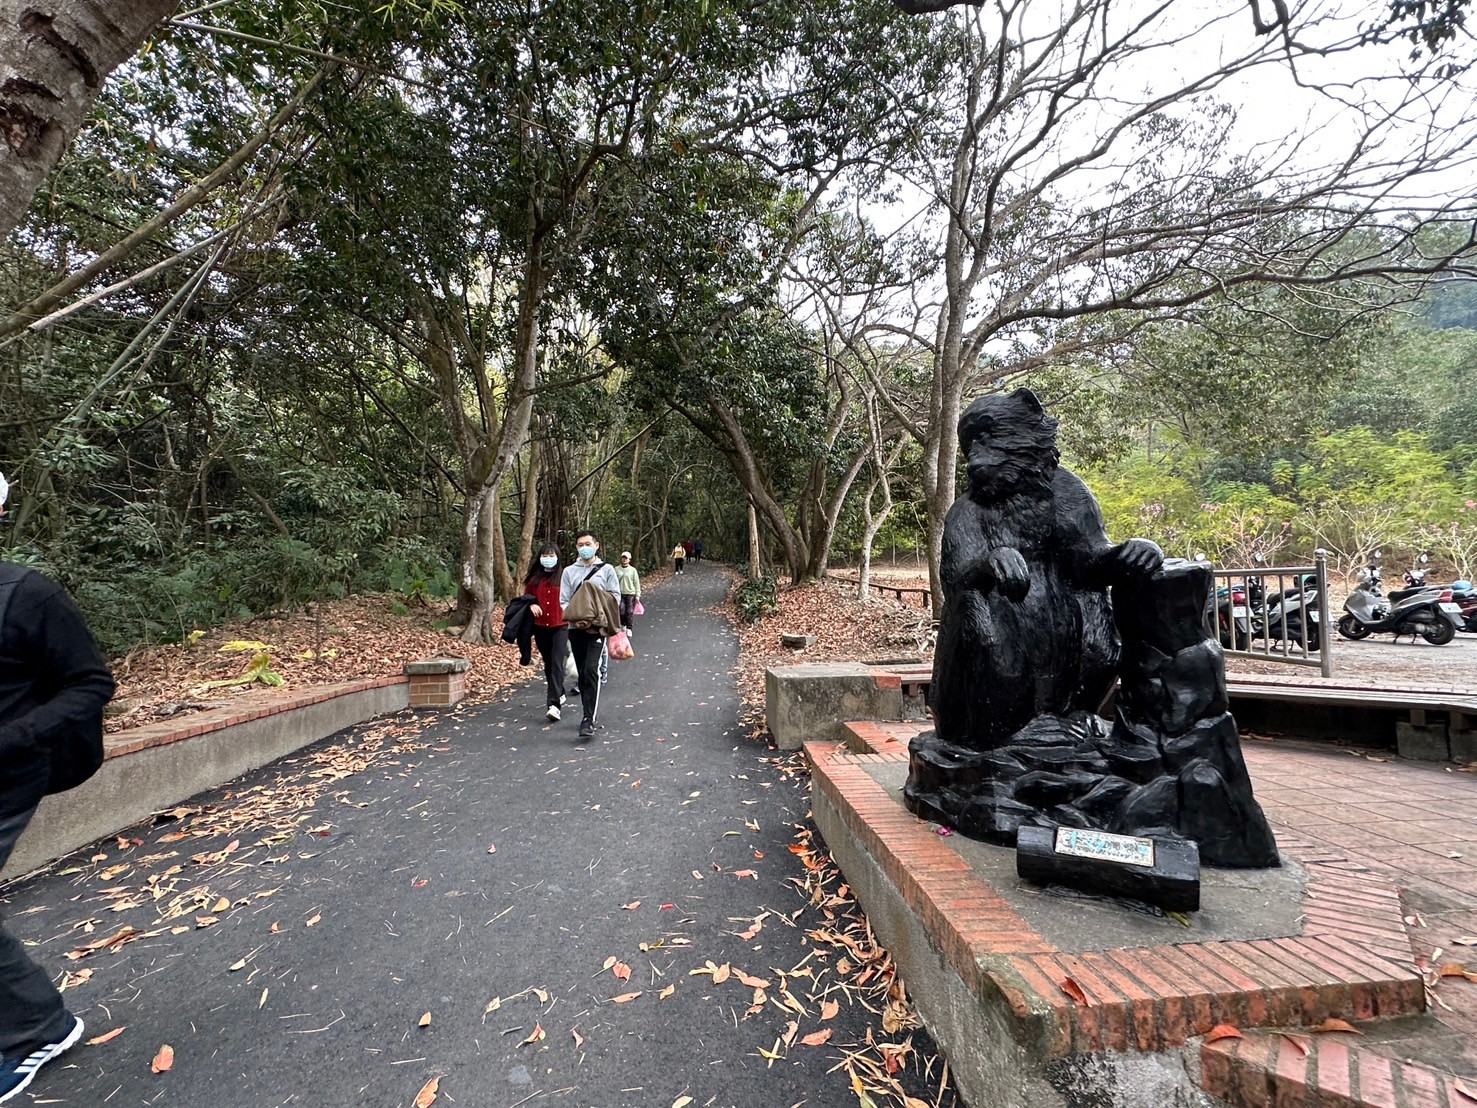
(755, 598)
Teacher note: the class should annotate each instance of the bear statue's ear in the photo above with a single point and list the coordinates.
(1029, 398)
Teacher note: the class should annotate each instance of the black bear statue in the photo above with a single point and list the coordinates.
(1030, 646)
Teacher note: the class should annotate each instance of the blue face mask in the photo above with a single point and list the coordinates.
(586, 553)
(548, 561)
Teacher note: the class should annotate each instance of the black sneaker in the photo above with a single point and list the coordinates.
(587, 729)
(16, 1071)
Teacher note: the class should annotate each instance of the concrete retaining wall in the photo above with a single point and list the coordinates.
(995, 1065)
(156, 767)
(808, 703)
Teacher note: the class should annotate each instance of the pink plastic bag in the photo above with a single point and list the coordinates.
(619, 646)
(638, 609)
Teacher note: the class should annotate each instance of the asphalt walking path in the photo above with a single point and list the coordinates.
(459, 896)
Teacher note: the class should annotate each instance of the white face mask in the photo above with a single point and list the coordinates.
(548, 561)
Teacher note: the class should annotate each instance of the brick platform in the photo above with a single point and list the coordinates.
(1352, 823)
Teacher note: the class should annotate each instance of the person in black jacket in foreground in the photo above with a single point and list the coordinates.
(53, 686)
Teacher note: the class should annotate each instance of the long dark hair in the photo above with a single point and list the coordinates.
(536, 570)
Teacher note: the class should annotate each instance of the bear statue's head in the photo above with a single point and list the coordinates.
(1009, 445)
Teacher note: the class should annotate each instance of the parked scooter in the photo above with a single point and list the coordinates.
(1232, 617)
(1292, 616)
(1464, 596)
(1427, 611)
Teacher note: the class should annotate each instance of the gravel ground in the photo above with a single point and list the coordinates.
(1382, 661)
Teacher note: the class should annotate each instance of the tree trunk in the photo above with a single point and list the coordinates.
(530, 512)
(873, 522)
(54, 58)
(478, 588)
(754, 567)
(746, 468)
(502, 580)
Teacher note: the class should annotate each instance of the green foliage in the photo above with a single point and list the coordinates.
(1358, 491)
(755, 598)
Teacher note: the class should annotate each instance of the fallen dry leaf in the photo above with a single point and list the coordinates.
(1074, 990)
(818, 1038)
(106, 1037)
(1460, 1086)
(1336, 1025)
(492, 849)
(316, 917)
(751, 981)
(1299, 1043)
(425, 1021)
(625, 997)
(1222, 1031)
(536, 1036)
(220, 906)
(622, 971)
(164, 1060)
(682, 1102)
(668, 991)
(579, 1040)
(427, 1096)
(1464, 940)
(829, 1009)
(720, 974)
(631, 907)
(1457, 969)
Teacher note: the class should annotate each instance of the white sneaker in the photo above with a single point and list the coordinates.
(552, 715)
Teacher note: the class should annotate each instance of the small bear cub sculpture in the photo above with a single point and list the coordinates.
(1026, 628)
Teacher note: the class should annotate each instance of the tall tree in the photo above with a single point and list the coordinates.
(1079, 183)
(54, 58)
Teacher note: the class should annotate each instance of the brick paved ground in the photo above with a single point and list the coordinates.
(1364, 822)
(1416, 823)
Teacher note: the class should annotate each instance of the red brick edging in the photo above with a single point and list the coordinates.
(165, 732)
(1352, 961)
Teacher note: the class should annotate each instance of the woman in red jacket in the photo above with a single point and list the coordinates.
(550, 631)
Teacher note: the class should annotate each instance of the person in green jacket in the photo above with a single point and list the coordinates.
(630, 591)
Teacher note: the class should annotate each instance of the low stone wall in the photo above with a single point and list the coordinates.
(149, 768)
(806, 703)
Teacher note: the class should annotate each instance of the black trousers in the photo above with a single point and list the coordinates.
(31, 1011)
(552, 643)
(679, 562)
(587, 649)
(628, 610)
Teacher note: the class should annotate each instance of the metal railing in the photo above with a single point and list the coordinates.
(1283, 618)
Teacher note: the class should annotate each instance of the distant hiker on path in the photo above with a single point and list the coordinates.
(550, 632)
(53, 686)
(679, 556)
(588, 646)
(630, 591)
(697, 549)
